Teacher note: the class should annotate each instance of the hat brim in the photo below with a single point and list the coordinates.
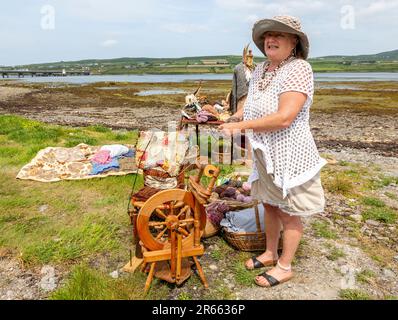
(262, 26)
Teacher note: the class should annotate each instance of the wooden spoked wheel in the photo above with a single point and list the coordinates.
(167, 211)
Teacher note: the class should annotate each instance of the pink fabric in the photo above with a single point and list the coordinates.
(102, 157)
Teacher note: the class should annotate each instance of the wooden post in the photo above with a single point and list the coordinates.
(150, 277)
(179, 255)
(200, 271)
(196, 224)
(173, 255)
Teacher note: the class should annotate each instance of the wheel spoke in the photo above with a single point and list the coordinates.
(161, 213)
(187, 220)
(183, 210)
(154, 224)
(161, 234)
(172, 208)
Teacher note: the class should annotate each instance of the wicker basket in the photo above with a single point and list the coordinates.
(234, 204)
(210, 229)
(247, 241)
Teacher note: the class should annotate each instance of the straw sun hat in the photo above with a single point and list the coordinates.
(286, 24)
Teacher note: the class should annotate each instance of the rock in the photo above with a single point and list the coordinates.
(388, 273)
(114, 274)
(372, 223)
(10, 295)
(357, 217)
(48, 281)
(43, 208)
(341, 262)
(213, 267)
(4, 252)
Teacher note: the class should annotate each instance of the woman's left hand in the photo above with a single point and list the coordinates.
(229, 128)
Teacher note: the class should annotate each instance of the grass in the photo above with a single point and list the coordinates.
(338, 183)
(80, 220)
(382, 181)
(374, 202)
(377, 210)
(384, 215)
(89, 238)
(22, 138)
(365, 276)
(335, 254)
(354, 294)
(391, 195)
(243, 276)
(322, 229)
(220, 292)
(184, 296)
(85, 283)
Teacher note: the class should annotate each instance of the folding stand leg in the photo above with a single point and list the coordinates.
(150, 277)
(200, 271)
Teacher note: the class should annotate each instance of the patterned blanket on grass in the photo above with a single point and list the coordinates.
(57, 163)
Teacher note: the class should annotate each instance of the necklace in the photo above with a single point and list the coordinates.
(267, 77)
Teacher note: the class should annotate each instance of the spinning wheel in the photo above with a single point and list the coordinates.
(168, 210)
(170, 225)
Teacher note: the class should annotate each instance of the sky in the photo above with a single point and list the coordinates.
(35, 31)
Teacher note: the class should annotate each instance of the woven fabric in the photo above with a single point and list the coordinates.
(290, 154)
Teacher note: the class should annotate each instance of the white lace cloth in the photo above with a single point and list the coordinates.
(290, 154)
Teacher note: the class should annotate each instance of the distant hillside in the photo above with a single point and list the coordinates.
(383, 56)
(381, 62)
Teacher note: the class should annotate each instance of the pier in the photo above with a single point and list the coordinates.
(42, 73)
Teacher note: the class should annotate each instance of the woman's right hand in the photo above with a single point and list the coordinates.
(232, 119)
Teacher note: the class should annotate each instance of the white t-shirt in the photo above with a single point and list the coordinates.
(290, 154)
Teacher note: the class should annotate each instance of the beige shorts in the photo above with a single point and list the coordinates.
(304, 200)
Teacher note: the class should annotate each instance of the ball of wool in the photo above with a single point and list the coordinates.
(247, 199)
(246, 186)
(229, 192)
(240, 197)
(220, 189)
(215, 195)
(232, 183)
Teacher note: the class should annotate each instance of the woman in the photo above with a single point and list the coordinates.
(287, 163)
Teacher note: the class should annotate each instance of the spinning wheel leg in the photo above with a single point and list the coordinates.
(150, 277)
(179, 256)
(143, 266)
(200, 271)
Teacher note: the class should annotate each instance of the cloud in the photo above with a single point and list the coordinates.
(109, 43)
(377, 7)
(184, 28)
(117, 11)
(252, 18)
(270, 8)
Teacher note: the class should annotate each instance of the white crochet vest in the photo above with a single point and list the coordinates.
(290, 154)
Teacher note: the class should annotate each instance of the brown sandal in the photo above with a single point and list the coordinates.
(257, 264)
(272, 281)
